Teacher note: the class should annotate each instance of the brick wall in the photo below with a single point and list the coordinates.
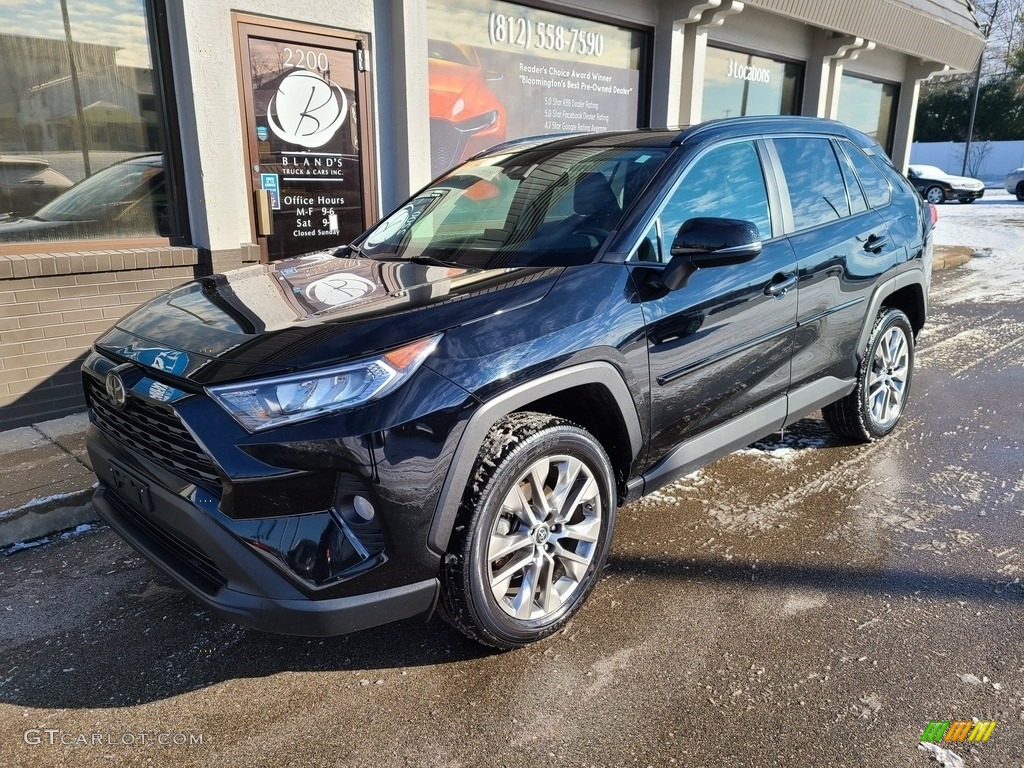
(53, 306)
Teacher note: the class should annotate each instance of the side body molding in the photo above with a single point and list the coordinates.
(480, 423)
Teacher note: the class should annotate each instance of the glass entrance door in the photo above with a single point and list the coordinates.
(307, 118)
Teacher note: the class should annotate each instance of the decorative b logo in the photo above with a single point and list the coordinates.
(306, 110)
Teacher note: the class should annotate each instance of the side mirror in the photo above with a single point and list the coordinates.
(710, 242)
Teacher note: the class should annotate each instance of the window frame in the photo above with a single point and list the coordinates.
(157, 27)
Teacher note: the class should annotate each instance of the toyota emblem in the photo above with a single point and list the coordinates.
(116, 391)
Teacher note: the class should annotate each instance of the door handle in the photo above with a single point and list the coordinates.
(779, 285)
(875, 243)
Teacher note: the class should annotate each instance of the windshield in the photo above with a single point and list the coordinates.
(544, 207)
(106, 193)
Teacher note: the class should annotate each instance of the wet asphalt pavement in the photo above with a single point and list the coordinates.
(801, 603)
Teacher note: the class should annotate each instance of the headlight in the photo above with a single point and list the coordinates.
(478, 123)
(269, 403)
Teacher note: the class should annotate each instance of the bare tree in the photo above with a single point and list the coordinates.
(1006, 32)
(980, 150)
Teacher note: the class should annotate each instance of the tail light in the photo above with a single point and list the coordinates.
(934, 213)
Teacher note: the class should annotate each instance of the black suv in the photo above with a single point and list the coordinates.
(447, 412)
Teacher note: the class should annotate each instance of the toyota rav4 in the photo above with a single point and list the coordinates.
(447, 412)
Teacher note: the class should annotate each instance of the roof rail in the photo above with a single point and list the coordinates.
(768, 120)
(523, 141)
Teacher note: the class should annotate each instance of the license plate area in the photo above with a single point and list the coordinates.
(130, 488)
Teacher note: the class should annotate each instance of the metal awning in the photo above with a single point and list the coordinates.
(945, 31)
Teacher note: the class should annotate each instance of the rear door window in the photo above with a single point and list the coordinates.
(816, 188)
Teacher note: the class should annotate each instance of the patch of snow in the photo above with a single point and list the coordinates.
(970, 679)
(79, 530)
(943, 757)
(798, 602)
(869, 706)
(807, 433)
(994, 228)
(20, 545)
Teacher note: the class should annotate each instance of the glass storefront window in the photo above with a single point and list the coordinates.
(737, 83)
(869, 106)
(500, 71)
(81, 136)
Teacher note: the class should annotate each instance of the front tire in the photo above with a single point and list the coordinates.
(934, 195)
(532, 534)
(875, 406)
(1020, 191)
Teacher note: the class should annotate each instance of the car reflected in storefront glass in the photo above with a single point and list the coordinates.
(128, 199)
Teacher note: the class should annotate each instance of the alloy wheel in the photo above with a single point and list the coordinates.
(887, 382)
(545, 537)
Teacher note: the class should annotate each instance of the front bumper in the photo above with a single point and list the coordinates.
(965, 194)
(226, 575)
(261, 528)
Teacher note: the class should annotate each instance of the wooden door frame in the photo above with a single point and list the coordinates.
(246, 25)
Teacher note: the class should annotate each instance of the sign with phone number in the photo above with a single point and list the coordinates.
(519, 32)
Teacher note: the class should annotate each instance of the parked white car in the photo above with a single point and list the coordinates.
(936, 186)
(1015, 183)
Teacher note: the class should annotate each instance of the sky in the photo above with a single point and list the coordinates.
(119, 23)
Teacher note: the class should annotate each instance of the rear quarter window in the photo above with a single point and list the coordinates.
(877, 189)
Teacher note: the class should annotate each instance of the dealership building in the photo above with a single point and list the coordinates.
(146, 142)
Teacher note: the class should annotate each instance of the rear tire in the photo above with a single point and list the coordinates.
(532, 534)
(875, 406)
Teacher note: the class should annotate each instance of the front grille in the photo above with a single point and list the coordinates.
(156, 433)
(208, 576)
(446, 145)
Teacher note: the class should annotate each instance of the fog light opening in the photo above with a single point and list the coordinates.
(363, 508)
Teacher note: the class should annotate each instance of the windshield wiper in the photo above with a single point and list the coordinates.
(432, 261)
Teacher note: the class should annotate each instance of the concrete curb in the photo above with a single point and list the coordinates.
(34, 521)
(46, 482)
(67, 502)
(950, 256)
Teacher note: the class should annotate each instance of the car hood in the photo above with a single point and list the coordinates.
(311, 311)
